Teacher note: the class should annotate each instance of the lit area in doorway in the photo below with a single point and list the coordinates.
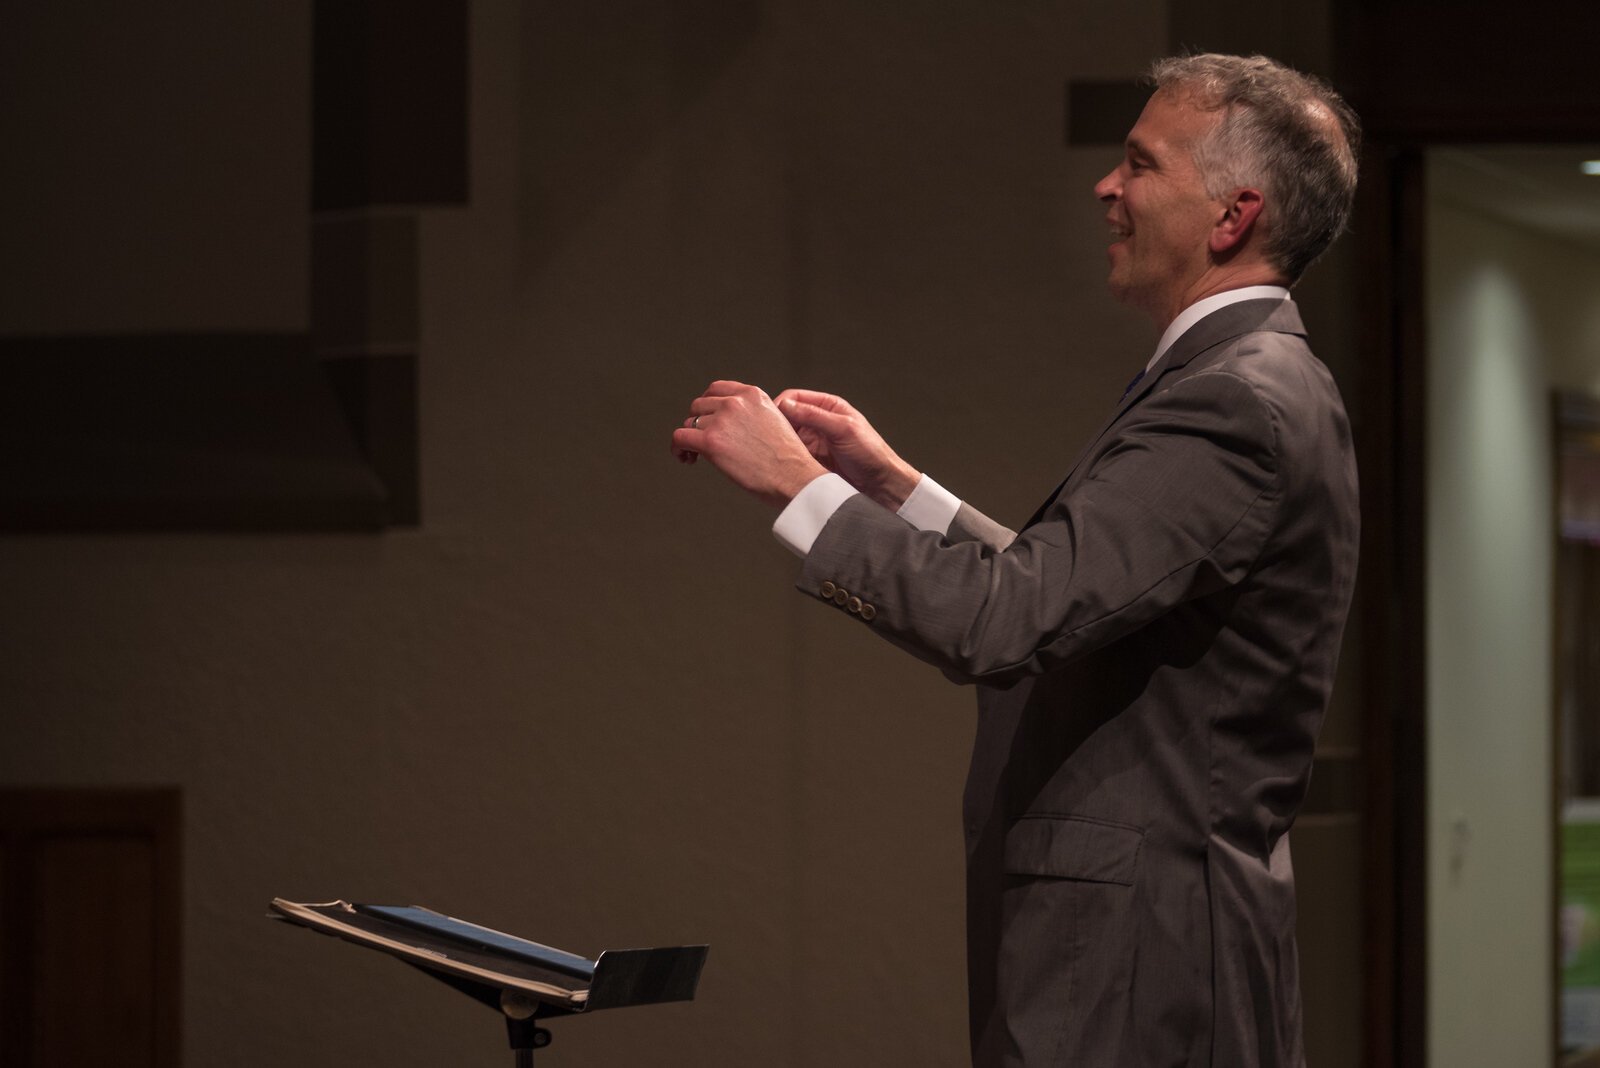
(1513, 326)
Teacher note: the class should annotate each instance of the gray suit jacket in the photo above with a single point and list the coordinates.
(1153, 654)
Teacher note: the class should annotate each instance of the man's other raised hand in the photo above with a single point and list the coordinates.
(841, 439)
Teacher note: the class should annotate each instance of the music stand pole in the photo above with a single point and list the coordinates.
(522, 1028)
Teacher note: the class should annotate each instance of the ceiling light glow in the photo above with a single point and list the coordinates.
(1590, 166)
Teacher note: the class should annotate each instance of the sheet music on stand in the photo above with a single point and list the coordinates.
(523, 979)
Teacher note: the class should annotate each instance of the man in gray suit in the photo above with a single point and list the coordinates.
(1154, 649)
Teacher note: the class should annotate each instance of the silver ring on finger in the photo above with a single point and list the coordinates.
(695, 423)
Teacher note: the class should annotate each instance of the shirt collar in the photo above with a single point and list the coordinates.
(1205, 306)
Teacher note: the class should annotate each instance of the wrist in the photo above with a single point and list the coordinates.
(897, 485)
(801, 477)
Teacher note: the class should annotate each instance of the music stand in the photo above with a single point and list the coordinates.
(523, 980)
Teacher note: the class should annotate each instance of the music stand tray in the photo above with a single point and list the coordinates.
(524, 980)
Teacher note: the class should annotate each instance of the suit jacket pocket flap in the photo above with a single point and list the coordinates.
(1071, 847)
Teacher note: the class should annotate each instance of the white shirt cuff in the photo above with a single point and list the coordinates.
(802, 520)
(930, 507)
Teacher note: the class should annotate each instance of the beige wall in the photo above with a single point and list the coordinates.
(581, 701)
(1510, 314)
(158, 165)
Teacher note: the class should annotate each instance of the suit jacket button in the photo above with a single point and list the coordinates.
(854, 605)
(827, 591)
(840, 596)
(868, 612)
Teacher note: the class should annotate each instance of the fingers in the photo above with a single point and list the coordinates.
(706, 404)
(828, 423)
(813, 397)
(828, 416)
(727, 388)
(701, 409)
(720, 395)
(687, 442)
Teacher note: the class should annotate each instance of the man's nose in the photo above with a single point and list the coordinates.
(1108, 187)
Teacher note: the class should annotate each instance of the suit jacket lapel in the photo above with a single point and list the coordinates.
(1224, 324)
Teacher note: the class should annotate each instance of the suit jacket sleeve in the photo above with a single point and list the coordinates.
(1176, 501)
(970, 524)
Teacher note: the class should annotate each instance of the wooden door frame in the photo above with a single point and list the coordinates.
(1389, 234)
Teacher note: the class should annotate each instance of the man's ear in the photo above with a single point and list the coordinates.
(1238, 220)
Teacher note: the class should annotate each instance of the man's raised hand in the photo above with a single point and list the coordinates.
(741, 432)
(842, 440)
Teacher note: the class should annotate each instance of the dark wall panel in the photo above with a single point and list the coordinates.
(1469, 70)
(390, 84)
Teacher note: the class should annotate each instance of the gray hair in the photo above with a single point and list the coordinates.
(1285, 133)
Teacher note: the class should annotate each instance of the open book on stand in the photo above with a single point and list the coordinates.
(470, 955)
